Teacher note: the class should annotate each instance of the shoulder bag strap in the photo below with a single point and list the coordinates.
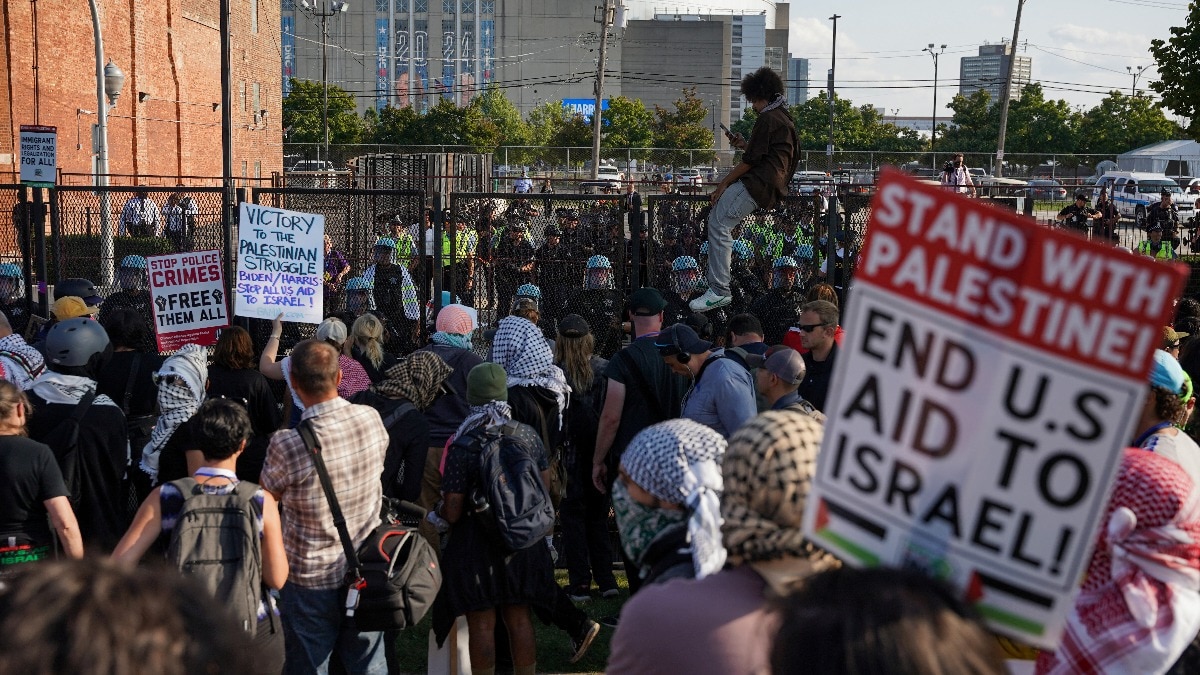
(339, 520)
(640, 377)
(396, 414)
(133, 372)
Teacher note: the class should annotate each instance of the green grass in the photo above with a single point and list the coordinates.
(553, 645)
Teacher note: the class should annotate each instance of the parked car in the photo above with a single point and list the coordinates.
(1132, 192)
(1046, 189)
(805, 183)
(688, 180)
(312, 165)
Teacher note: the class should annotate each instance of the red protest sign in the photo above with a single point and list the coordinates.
(187, 291)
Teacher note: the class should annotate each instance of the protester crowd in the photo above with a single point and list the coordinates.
(697, 426)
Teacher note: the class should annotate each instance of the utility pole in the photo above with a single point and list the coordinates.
(605, 20)
(228, 198)
(1007, 93)
(1136, 73)
(323, 14)
(832, 80)
(933, 116)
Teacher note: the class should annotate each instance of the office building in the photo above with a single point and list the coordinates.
(797, 81)
(989, 70)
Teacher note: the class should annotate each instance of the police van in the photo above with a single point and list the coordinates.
(1132, 192)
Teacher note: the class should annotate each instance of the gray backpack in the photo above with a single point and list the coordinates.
(215, 541)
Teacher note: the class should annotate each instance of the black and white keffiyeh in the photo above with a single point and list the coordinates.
(521, 350)
(679, 461)
(178, 400)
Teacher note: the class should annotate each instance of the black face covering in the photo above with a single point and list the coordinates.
(958, 162)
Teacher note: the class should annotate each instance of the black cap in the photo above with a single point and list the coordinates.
(571, 214)
(573, 326)
(1080, 194)
(681, 338)
(552, 231)
(1166, 191)
(646, 302)
(671, 233)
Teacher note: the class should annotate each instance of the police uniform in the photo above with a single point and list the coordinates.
(137, 300)
(778, 310)
(1077, 217)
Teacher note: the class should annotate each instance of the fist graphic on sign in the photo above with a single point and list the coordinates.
(217, 295)
(161, 302)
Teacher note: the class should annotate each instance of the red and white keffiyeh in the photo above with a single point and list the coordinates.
(1139, 607)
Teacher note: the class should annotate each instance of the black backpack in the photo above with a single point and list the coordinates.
(512, 503)
(215, 541)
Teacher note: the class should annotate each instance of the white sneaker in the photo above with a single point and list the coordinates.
(710, 300)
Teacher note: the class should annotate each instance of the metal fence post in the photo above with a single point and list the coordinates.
(37, 219)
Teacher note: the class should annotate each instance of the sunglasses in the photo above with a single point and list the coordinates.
(167, 378)
(808, 328)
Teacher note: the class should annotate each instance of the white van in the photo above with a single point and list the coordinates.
(805, 183)
(1134, 191)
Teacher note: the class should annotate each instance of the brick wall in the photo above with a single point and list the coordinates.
(170, 52)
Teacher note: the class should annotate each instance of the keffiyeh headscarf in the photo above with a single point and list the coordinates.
(521, 350)
(417, 378)
(679, 461)
(1139, 607)
(768, 473)
(178, 400)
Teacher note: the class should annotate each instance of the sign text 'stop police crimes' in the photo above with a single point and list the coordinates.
(990, 377)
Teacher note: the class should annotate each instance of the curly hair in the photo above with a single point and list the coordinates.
(763, 84)
(1167, 405)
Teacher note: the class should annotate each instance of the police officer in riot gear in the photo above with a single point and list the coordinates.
(779, 308)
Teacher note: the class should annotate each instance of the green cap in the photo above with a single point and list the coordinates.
(486, 383)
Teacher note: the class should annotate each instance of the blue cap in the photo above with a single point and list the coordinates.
(10, 270)
(684, 262)
(742, 249)
(804, 251)
(358, 284)
(785, 261)
(1166, 372)
(135, 261)
(386, 242)
(529, 291)
(704, 247)
(599, 262)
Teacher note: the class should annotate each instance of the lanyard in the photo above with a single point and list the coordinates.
(1137, 442)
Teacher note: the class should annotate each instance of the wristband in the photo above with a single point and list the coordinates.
(273, 337)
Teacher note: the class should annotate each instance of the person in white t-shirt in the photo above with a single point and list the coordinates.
(956, 177)
(1168, 404)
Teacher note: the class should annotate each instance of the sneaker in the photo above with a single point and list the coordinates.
(610, 621)
(584, 640)
(710, 300)
(579, 594)
(610, 592)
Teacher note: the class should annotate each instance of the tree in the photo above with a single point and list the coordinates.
(974, 125)
(1178, 77)
(397, 126)
(682, 127)
(495, 107)
(1121, 123)
(626, 124)
(854, 128)
(302, 115)
(448, 124)
(545, 121)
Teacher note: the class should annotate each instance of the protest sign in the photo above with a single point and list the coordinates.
(39, 155)
(187, 291)
(991, 374)
(281, 263)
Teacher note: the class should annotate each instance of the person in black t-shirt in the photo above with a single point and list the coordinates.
(818, 324)
(1076, 216)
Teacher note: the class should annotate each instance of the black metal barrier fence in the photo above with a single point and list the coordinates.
(478, 247)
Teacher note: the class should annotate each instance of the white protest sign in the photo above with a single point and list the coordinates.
(990, 377)
(39, 155)
(281, 263)
(188, 298)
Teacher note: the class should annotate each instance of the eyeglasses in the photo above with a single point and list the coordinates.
(167, 378)
(808, 328)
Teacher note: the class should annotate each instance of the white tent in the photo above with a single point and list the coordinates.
(1174, 158)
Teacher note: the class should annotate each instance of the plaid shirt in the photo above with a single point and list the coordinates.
(353, 443)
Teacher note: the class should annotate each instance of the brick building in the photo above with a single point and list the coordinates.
(167, 121)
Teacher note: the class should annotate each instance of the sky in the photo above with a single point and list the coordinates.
(1080, 48)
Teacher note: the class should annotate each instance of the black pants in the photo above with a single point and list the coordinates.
(584, 518)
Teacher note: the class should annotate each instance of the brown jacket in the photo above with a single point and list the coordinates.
(772, 153)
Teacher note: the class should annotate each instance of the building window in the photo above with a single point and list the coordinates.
(736, 73)
(735, 62)
(448, 6)
(737, 52)
(288, 5)
(381, 6)
(257, 100)
(468, 6)
(420, 6)
(257, 169)
(242, 94)
(253, 16)
(488, 7)
(244, 167)
(737, 40)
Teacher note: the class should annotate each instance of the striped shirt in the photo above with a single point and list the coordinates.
(353, 443)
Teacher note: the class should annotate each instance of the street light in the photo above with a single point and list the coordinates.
(109, 81)
(933, 117)
(1136, 73)
(335, 8)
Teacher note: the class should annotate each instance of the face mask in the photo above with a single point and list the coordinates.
(640, 525)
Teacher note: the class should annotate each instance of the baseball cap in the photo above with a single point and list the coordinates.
(787, 365)
(1172, 336)
(1166, 372)
(332, 329)
(681, 338)
(71, 307)
(646, 302)
(552, 231)
(1165, 191)
(573, 326)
